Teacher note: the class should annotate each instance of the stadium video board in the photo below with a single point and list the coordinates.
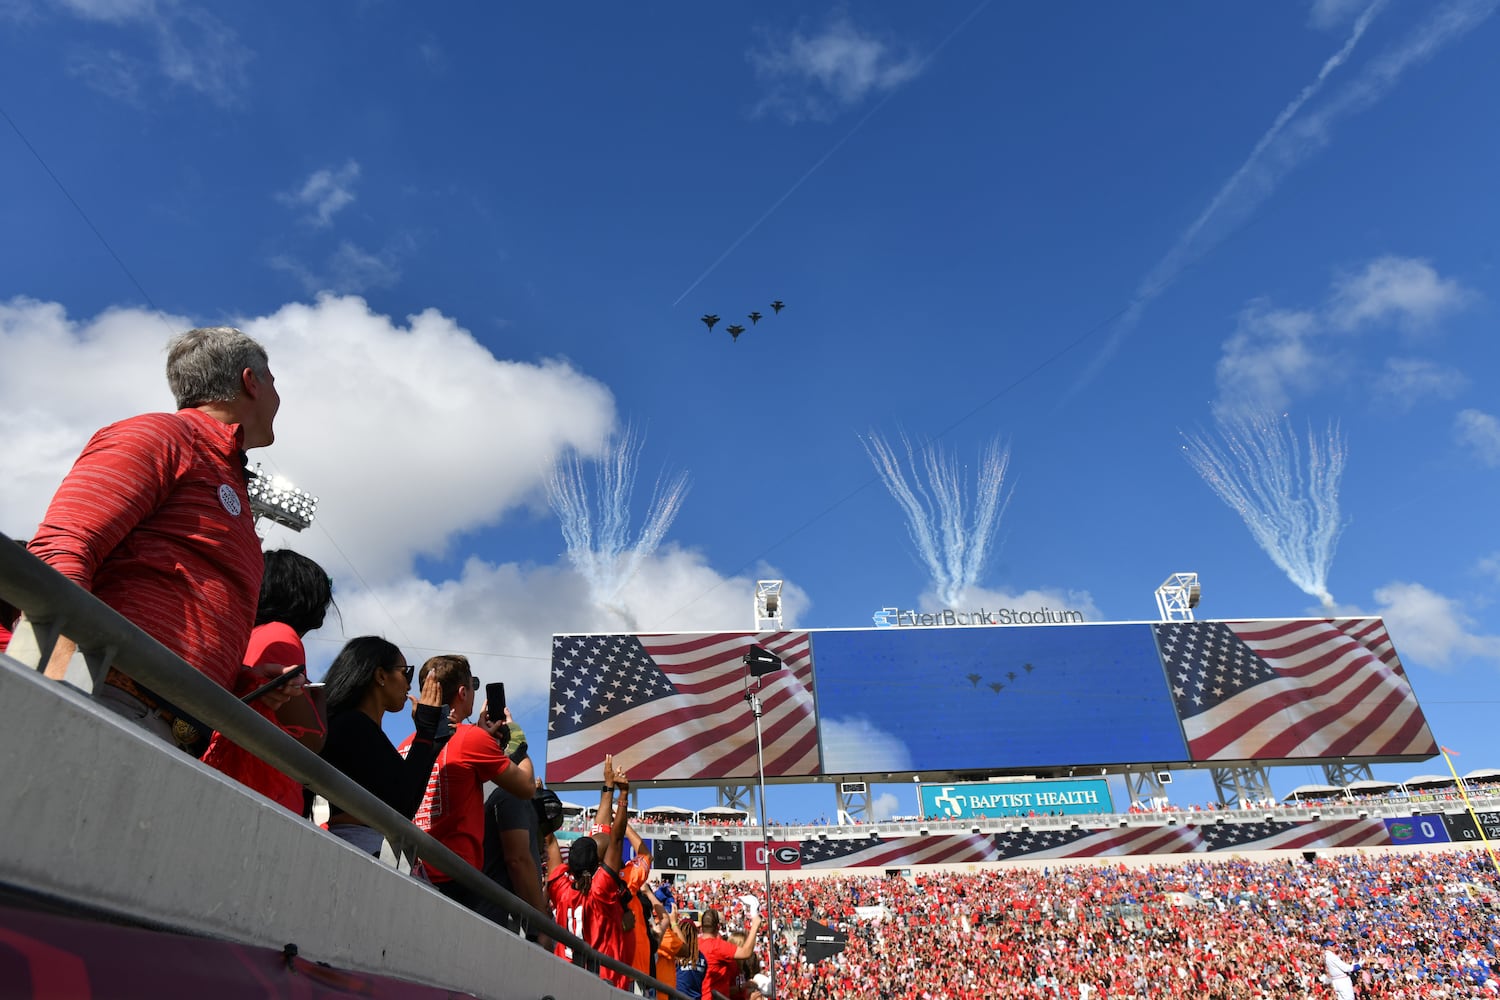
(902, 702)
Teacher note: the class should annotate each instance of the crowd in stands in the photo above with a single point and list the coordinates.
(1420, 925)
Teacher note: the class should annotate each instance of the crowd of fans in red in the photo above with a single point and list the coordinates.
(1423, 925)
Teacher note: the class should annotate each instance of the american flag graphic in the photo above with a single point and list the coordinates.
(674, 707)
(1274, 835)
(1053, 843)
(871, 852)
(1277, 689)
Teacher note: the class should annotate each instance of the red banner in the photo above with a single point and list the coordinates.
(785, 855)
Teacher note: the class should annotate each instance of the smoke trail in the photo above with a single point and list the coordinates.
(596, 527)
(1254, 464)
(929, 487)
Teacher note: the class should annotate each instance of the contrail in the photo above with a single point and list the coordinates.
(953, 542)
(1292, 139)
(1254, 464)
(596, 524)
(921, 68)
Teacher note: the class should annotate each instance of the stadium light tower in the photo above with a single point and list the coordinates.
(1178, 596)
(759, 662)
(768, 605)
(275, 499)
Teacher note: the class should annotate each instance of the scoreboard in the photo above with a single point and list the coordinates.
(698, 855)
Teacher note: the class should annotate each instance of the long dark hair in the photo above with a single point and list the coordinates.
(294, 591)
(353, 671)
(583, 862)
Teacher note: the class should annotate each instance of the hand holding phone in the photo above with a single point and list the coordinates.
(494, 701)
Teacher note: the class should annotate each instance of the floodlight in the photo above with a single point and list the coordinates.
(1178, 596)
(275, 499)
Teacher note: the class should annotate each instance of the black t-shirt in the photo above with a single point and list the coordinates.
(504, 812)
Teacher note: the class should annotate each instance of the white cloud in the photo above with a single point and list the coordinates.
(855, 745)
(190, 47)
(1400, 290)
(110, 72)
(1275, 355)
(324, 193)
(349, 270)
(818, 76)
(1431, 629)
(884, 806)
(1406, 381)
(1490, 566)
(1268, 356)
(1480, 432)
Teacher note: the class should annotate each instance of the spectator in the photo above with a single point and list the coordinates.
(722, 957)
(154, 520)
(1340, 973)
(295, 593)
(584, 901)
(691, 965)
(639, 948)
(452, 808)
(366, 680)
(513, 855)
(8, 614)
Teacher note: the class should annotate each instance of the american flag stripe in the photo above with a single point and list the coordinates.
(1325, 834)
(1322, 688)
(703, 727)
(955, 849)
(1126, 841)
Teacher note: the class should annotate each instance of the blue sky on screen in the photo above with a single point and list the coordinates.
(476, 238)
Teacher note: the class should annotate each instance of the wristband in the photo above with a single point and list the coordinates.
(519, 754)
(608, 788)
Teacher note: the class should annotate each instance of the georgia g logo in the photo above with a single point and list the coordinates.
(786, 855)
(229, 499)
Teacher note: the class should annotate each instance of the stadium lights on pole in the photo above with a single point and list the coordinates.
(760, 662)
(274, 498)
(1178, 596)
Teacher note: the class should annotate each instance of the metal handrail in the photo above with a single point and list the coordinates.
(55, 606)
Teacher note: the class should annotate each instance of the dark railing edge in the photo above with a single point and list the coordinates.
(51, 601)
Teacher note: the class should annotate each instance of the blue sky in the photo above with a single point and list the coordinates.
(476, 238)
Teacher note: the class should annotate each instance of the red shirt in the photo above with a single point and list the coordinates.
(723, 967)
(452, 810)
(567, 906)
(270, 644)
(154, 520)
(604, 923)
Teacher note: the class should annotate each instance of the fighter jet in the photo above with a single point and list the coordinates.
(1012, 676)
(735, 331)
(708, 320)
(778, 305)
(754, 318)
(996, 686)
(974, 679)
(1027, 667)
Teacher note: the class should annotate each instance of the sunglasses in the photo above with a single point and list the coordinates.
(407, 670)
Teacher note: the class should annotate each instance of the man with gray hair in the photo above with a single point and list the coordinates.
(154, 519)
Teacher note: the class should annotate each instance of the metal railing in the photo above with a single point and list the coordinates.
(55, 607)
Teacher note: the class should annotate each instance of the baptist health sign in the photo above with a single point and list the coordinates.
(1016, 798)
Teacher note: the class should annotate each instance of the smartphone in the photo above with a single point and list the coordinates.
(274, 683)
(494, 696)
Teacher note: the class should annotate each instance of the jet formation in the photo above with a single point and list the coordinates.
(735, 329)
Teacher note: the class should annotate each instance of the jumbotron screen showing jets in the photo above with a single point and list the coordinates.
(906, 700)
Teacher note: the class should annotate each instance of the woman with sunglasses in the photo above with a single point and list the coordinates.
(369, 678)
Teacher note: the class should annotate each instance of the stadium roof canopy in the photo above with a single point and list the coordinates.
(1483, 774)
(1313, 792)
(666, 811)
(1372, 785)
(1428, 781)
(715, 812)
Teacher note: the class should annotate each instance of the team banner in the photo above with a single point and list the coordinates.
(781, 855)
(1016, 798)
(1409, 830)
(901, 701)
